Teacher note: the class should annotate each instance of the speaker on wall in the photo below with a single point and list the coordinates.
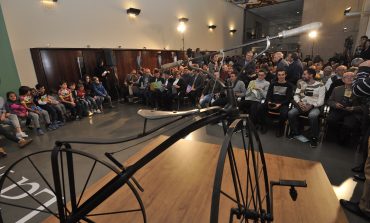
(110, 58)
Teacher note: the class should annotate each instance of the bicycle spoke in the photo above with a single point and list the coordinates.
(87, 181)
(238, 178)
(115, 212)
(231, 198)
(42, 176)
(50, 212)
(28, 208)
(63, 184)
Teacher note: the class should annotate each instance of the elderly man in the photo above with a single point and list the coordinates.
(281, 64)
(335, 80)
(361, 88)
(308, 98)
(327, 73)
(345, 108)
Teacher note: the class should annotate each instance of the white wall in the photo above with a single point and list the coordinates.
(105, 24)
(331, 36)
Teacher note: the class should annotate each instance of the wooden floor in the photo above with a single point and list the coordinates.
(178, 187)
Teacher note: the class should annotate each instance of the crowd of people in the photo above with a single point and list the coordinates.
(275, 84)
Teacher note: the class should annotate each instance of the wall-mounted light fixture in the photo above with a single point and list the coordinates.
(132, 12)
(49, 3)
(232, 31)
(347, 10)
(212, 27)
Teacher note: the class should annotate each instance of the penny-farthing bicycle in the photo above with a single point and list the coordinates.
(242, 191)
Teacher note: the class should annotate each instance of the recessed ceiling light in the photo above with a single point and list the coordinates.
(298, 12)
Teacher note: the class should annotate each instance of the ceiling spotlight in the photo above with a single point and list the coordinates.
(212, 27)
(298, 12)
(347, 10)
(132, 12)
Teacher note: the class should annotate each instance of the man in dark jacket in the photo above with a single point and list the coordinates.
(246, 69)
(294, 70)
(361, 88)
(345, 108)
(281, 64)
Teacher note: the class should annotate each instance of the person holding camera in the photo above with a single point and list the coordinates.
(278, 97)
(345, 109)
(308, 98)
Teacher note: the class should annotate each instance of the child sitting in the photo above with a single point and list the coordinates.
(82, 107)
(65, 96)
(41, 99)
(16, 107)
(90, 102)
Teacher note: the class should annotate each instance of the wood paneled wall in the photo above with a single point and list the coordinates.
(53, 65)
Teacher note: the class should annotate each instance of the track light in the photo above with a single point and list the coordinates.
(212, 27)
(232, 31)
(132, 12)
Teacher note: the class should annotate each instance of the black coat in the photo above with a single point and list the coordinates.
(294, 72)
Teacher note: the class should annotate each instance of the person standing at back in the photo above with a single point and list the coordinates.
(295, 70)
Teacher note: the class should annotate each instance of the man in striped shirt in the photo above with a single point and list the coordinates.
(361, 88)
(308, 98)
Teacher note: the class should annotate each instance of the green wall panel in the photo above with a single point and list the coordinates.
(9, 79)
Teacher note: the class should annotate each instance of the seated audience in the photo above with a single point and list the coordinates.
(81, 106)
(345, 113)
(7, 118)
(101, 93)
(42, 100)
(94, 101)
(166, 97)
(87, 100)
(54, 101)
(256, 92)
(279, 95)
(211, 91)
(155, 89)
(238, 89)
(65, 96)
(335, 80)
(26, 99)
(15, 107)
(308, 98)
(196, 87)
(327, 74)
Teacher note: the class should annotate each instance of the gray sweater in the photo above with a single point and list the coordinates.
(239, 88)
(257, 90)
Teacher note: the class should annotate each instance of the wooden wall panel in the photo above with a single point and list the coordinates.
(55, 64)
(39, 69)
(60, 65)
(149, 59)
(126, 62)
(91, 59)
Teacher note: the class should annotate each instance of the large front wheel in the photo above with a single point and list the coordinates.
(29, 192)
(241, 187)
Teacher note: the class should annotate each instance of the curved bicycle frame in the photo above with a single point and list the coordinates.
(78, 213)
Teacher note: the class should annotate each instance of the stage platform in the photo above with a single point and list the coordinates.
(178, 188)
